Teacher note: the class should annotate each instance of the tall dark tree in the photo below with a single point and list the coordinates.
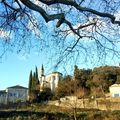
(37, 80)
(44, 95)
(118, 79)
(32, 95)
(76, 73)
(81, 75)
(37, 83)
(30, 85)
(36, 73)
(65, 87)
(34, 86)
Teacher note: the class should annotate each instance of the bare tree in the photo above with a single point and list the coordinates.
(75, 27)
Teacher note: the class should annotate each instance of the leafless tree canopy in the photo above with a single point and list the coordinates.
(75, 26)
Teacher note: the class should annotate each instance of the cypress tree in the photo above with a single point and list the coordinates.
(76, 72)
(30, 85)
(34, 86)
(37, 83)
(36, 75)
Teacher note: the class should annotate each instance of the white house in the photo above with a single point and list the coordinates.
(17, 93)
(14, 94)
(115, 90)
(51, 80)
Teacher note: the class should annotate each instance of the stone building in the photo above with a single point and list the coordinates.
(14, 94)
(17, 93)
(49, 81)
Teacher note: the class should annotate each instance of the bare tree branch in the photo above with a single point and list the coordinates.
(82, 9)
(73, 22)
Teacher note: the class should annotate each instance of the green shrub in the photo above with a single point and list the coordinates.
(82, 116)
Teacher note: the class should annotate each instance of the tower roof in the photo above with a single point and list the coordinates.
(42, 68)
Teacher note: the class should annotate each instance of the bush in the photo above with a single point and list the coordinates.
(82, 116)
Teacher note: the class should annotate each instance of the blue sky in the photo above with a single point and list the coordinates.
(15, 68)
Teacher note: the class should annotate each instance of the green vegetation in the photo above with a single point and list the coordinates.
(89, 82)
(35, 95)
(47, 112)
(83, 83)
(33, 86)
(45, 95)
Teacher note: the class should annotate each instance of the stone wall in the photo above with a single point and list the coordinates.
(101, 103)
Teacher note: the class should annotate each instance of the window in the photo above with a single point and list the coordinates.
(14, 94)
(10, 94)
(116, 95)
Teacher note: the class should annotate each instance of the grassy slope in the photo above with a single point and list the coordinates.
(45, 112)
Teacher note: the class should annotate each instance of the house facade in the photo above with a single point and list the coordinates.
(49, 81)
(3, 97)
(17, 93)
(114, 90)
(14, 94)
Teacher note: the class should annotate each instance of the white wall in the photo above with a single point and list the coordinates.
(15, 94)
(53, 79)
(3, 98)
(115, 91)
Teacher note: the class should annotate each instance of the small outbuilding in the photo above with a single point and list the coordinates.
(114, 90)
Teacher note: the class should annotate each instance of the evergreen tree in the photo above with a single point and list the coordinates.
(37, 81)
(33, 96)
(36, 72)
(30, 85)
(34, 88)
(65, 87)
(118, 79)
(76, 73)
(36, 76)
